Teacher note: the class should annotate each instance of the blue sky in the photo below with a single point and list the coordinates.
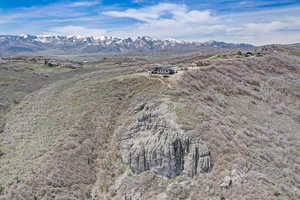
(256, 21)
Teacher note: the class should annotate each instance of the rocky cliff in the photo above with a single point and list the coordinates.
(155, 142)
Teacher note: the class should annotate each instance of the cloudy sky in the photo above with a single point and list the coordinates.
(251, 21)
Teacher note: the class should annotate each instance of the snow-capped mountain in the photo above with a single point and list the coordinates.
(13, 44)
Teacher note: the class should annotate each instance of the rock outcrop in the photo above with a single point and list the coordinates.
(155, 142)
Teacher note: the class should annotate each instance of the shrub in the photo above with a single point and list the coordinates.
(1, 189)
(1, 153)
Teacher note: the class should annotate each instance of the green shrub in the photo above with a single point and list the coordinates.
(219, 57)
(1, 189)
(1, 153)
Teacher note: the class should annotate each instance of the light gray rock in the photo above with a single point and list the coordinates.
(226, 183)
(155, 142)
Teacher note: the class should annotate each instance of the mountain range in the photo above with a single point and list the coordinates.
(26, 44)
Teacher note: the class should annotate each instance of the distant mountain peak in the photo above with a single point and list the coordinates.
(14, 44)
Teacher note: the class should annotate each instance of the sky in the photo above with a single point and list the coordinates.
(247, 21)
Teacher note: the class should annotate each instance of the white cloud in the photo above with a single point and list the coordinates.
(163, 20)
(274, 32)
(84, 3)
(57, 11)
(77, 31)
(138, 1)
(195, 16)
(178, 12)
(148, 13)
(32, 14)
(167, 20)
(265, 27)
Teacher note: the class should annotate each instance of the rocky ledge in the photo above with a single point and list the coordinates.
(155, 142)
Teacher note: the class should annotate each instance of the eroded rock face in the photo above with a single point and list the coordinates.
(155, 142)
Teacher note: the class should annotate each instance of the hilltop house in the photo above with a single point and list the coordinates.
(163, 71)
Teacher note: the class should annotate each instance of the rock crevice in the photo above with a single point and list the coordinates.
(155, 142)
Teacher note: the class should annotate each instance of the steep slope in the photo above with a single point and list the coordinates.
(228, 130)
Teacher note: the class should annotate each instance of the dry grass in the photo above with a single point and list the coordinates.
(64, 139)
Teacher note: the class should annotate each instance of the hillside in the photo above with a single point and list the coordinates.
(226, 126)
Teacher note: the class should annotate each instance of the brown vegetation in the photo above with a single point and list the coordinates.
(71, 139)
